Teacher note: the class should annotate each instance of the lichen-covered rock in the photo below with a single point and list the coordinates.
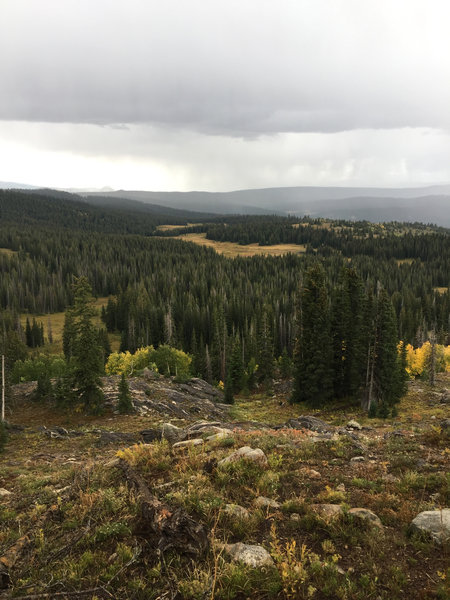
(434, 522)
(352, 424)
(188, 443)
(236, 511)
(255, 455)
(220, 435)
(367, 516)
(263, 502)
(328, 512)
(309, 422)
(172, 433)
(252, 556)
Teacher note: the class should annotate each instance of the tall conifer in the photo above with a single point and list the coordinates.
(312, 367)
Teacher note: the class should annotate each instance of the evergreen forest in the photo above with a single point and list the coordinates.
(333, 316)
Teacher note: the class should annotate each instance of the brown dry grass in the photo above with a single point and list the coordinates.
(231, 250)
(7, 251)
(173, 227)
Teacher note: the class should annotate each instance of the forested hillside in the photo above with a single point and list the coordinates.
(169, 291)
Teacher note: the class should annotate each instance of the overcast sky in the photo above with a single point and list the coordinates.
(224, 94)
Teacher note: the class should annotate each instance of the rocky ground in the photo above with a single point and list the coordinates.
(189, 498)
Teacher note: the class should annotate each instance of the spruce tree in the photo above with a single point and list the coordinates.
(285, 364)
(125, 405)
(313, 357)
(63, 392)
(228, 391)
(347, 330)
(44, 389)
(236, 367)
(87, 355)
(386, 371)
(265, 348)
(28, 335)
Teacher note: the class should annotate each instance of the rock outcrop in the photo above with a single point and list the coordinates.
(165, 397)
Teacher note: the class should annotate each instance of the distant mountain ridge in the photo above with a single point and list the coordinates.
(427, 204)
(430, 204)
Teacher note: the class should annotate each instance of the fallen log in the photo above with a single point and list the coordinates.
(175, 530)
(8, 560)
(15, 552)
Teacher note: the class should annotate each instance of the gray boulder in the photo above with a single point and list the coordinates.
(246, 453)
(366, 516)
(434, 522)
(252, 556)
(328, 512)
(352, 424)
(188, 443)
(172, 433)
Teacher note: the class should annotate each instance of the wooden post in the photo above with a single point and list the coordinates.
(3, 388)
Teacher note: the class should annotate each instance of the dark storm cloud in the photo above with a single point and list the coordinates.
(246, 68)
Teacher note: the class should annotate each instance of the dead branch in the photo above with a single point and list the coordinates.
(175, 530)
(14, 553)
(95, 591)
(8, 560)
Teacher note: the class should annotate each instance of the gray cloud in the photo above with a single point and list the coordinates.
(150, 157)
(234, 68)
(224, 94)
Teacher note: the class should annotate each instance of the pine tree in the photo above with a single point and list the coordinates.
(228, 391)
(385, 361)
(265, 348)
(44, 389)
(87, 356)
(285, 364)
(348, 341)
(49, 331)
(36, 335)
(125, 405)
(104, 344)
(312, 359)
(236, 367)
(28, 336)
(402, 363)
(63, 392)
